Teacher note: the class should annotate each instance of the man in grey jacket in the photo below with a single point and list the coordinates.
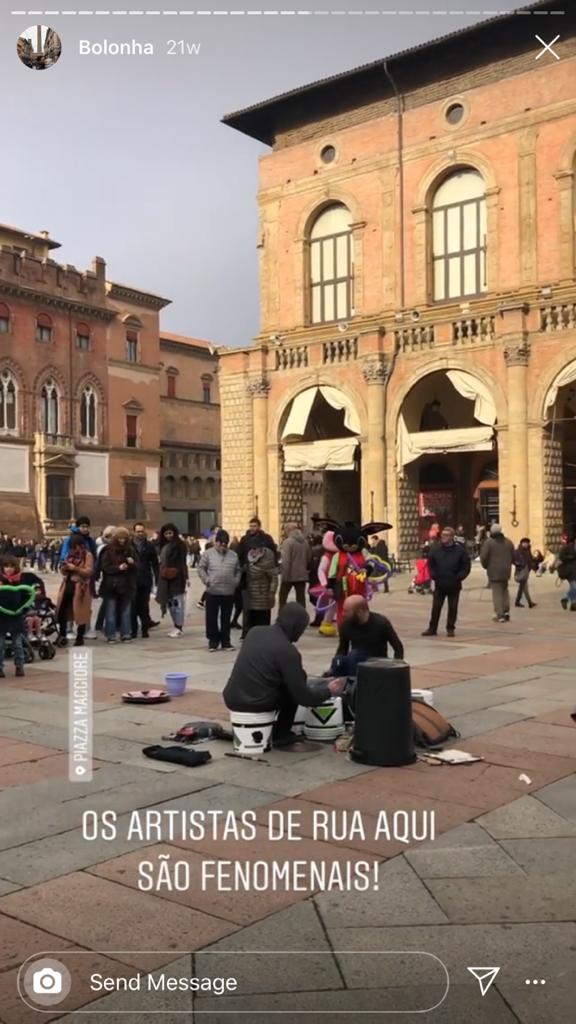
(296, 555)
(219, 570)
(497, 557)
(268, 674)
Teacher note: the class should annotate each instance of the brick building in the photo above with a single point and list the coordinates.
(417, 346)
(81, 382)
(190, 432)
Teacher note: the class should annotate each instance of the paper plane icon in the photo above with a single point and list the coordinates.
(484, 976)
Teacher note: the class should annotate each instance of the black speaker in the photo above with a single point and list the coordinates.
(383, 733)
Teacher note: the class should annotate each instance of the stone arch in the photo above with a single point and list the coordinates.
(547, 379)
(22, 398)
(442, 168)
(332, 196)
(557, 450)
(405, 490)
(303, 384)
(439, 364)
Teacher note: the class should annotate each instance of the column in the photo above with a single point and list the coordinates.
(258, 388)
(517, 354)
(375, 373)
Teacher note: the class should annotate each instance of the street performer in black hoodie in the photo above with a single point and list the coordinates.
(268, 674)
(449, 565)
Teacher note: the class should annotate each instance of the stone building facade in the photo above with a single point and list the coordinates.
(417, 346)
(82, 412)
(190, 433)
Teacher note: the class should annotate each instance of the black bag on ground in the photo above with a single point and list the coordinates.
(431, 729)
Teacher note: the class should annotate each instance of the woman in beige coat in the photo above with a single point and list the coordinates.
(74, 601)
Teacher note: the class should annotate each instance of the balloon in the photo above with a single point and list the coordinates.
(381, 568)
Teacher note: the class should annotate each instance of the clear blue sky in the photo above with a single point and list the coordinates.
(125, 157)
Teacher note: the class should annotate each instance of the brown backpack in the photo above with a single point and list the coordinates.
(431, 729)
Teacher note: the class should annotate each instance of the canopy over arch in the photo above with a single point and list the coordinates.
(301, 408)
(561, 380)
(334, 444)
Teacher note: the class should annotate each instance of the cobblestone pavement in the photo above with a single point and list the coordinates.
(497, 887)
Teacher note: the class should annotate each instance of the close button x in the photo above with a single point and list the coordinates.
(547, 47)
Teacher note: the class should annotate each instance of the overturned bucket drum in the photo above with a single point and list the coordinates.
(383, 729)
(325, 722)
(252, 731)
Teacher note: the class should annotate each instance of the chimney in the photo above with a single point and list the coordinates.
(99, 268)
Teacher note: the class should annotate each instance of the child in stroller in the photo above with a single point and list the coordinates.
(41, 625)
(421, 581)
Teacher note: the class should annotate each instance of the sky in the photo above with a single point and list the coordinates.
(126, 158)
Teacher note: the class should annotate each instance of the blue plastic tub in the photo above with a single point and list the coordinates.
(176, 683)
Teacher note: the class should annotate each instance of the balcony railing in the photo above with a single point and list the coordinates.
(473, 329)
(558, 318)
(55, 440)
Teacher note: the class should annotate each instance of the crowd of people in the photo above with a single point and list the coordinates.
(243, 579)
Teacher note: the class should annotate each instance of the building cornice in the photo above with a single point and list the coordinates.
(128, 294)
(187, 349)
(56, 301)
(190, 401)
(139, 367)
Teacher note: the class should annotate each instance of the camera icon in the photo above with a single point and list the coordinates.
(47, 982)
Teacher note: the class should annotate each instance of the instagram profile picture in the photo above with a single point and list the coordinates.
(45, 982)
(39, 47)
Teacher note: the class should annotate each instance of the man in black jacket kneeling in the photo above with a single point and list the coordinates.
(449, 565)
(268, 674)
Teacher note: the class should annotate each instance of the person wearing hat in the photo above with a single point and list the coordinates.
(219, 570)
(498, 555)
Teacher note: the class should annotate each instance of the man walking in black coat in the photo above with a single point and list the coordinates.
(449, 565)
(146, 579)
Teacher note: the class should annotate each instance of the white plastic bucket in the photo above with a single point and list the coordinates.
(326, 722)
(299, 720)
(426, 695)
(252, 730)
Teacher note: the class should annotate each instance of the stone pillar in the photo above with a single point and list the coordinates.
(375, 373)
(517, 354)
(258, 388)
(565, 181)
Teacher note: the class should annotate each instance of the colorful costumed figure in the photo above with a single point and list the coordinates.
(351, 567)
(325, 597)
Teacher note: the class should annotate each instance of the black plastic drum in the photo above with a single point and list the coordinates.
(383, 733)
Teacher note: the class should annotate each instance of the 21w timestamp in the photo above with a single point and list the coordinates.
(182, 48)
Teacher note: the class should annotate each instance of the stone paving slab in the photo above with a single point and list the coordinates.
(537, 736)
(299, 929)
(401, 899)
(101, 915)
(13, 752)
(541, 856)
(561, 798)
(462, 861)
(241, 908)
(537, 898)
(475, 723)
(527, 818)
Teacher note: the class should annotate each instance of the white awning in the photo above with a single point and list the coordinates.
(426, 442)
(302, 407)
(474, 390)
(332, 454)
(566, 376)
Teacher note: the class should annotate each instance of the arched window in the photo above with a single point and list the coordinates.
(209, 487)
(132, 353)
(170, 484)
(83, 337)
(88, 414)
(459, 236)
(50, 408)
(43, 328)
(197, 487)
(183, 486)
(331, 265)
(4, 318)
(8, 412)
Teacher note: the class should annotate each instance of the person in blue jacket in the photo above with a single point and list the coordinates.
(81, 526)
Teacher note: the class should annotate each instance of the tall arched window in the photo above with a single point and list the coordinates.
(331, 265)
(170, 484)
(459, 236)
(50, 408)
(8, 392)
(88, 414)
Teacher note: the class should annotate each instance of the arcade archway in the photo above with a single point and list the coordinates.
(446, 453)
(560, 452)
(321, 457)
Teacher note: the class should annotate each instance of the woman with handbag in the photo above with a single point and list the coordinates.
(74, 601)
(173, 577)
(524, 562)
(118, 565)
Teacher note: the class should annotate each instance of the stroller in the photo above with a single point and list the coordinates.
(44, 643)
(421, 581)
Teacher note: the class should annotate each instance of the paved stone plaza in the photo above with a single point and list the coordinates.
(496, 888)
